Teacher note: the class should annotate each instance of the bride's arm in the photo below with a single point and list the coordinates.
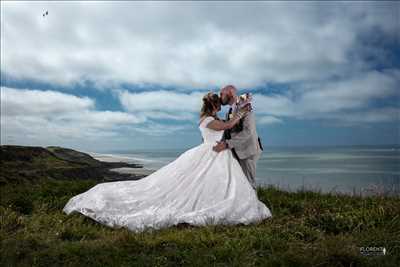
(221, 125)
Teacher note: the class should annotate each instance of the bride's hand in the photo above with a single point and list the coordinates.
(223, 125)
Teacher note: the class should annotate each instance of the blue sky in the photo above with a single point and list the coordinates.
(104, 76)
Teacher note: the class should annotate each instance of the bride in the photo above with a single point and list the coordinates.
(200, 187)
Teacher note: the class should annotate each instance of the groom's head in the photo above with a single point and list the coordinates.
(228, 95)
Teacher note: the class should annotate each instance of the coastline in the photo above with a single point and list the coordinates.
(110, 158)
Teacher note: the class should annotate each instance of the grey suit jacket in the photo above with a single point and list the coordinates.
(245, 142)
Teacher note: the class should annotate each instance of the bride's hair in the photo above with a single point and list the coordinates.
(210, 102)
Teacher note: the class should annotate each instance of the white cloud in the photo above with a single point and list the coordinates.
(370, 116)
(161, 101)
(344, 100)
(278, 105)
(158, 129)
(46, 116)
(34, 102)
(54, 118)
(191, 44)
(314, 100)
(268, 120)
(181, 116)
(163, 105)
(353, 93)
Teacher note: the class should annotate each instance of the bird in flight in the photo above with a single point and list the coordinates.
(45, 14)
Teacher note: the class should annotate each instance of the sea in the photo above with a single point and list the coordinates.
(355, 170)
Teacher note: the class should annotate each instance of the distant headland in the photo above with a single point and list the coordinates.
(23, 163)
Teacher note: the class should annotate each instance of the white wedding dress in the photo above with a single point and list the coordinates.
(200, 187)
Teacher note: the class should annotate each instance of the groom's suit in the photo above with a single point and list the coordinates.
(245, 144)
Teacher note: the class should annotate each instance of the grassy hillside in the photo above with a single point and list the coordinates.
(22, 164)
(308, 229)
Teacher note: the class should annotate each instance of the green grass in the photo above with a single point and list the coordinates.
(307, 229)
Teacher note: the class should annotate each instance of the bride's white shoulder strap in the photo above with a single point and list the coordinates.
(206, 120)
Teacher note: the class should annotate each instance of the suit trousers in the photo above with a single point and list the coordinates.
(249, 168)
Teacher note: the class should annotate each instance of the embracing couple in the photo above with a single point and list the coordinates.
(242, 138)
(212, 183)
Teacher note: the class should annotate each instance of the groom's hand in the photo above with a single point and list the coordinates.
(219, 147)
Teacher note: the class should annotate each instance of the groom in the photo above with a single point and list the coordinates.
(242, 139)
